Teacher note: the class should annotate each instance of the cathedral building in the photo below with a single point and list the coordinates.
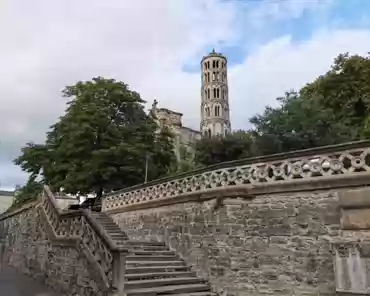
(214, 107)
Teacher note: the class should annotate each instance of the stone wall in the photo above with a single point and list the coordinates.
(268, 245)
(29, 249)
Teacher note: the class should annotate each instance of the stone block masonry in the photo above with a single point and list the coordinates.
(29, 249)
(273, 225)
(268, 245)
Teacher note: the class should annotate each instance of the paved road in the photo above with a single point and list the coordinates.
(15, 284)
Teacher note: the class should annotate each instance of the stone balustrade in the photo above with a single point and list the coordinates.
(325, 167)
(81, 227)
(71, 248)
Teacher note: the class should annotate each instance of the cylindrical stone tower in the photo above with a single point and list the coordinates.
(215, 120)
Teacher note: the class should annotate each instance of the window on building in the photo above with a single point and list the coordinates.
(214, 64)
(205, 93)
(217, 64)
(209, 133)
(209, 93)
(208, 113)
(213, 76)
(218, 93)
(208, 64)
(214, 93)
(217, 110)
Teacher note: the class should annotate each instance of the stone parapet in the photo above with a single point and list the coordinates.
(337, 166)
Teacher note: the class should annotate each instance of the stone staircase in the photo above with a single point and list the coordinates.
(152, 269)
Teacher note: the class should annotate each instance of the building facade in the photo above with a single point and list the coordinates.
(215, 116)
(184, 137)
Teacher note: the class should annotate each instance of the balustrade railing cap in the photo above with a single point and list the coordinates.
(258, 159)
(95, 225)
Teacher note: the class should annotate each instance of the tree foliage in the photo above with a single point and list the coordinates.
(235, 145)
(100, 143)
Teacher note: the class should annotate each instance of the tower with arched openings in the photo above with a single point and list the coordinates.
(215, 118)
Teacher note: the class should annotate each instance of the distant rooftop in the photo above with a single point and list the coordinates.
(169, 111)
(6, 193)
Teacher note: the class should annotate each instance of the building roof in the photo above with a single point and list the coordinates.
(169, 111)
(6, 193)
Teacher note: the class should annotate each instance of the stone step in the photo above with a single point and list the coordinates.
(152, 275)
(154, 257)
(146, 243)
(112, 227)
(155, 263)
(146, 248)
(152, 269)
(152, 252)
(168, 290)
(193, 294)
(162, 282)
(118, 235)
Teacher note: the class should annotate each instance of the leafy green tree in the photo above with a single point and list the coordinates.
(185, 163)
(235, 145)
(163, 156)
(297, 124)
(344, 91)
(100, 143)
(334, 108)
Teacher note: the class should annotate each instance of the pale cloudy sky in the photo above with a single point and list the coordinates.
(155, 46)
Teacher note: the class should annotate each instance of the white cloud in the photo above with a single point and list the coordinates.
(282, 64)
(49, 44)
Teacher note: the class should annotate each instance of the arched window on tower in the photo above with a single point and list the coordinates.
(213, 76)
(205, 93)
(217, 64)
(208, 113)
(218, 93)
(209, 133)
(214, 93)
(209, 93)
(208, 65)
(214, 64)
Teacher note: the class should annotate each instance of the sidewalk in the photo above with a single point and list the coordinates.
(14, 284)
